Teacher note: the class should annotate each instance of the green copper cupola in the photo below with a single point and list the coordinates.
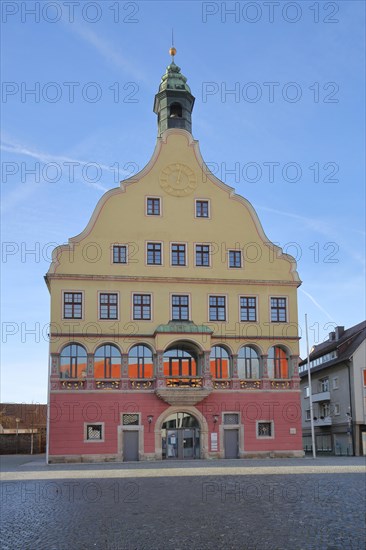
(174, 101)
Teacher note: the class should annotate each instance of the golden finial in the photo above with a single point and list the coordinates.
(172, 50)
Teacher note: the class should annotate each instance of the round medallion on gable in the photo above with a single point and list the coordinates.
(178, 179)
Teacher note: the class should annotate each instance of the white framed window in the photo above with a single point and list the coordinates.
(72, 304)
(335, 384)
(93, 432)
(203, 255)
(324, 384)
(307, 415)
(141, 307)
(108, 308)
(248, 308)
(235, 259)
(120, 253)
(154, 253)
(180, 307)
(153, 206)
(324, 409)
(278, 309)
(306, 391)
(217, 308)
(202, 208)
(178, 254)
(265, 429)
(337, 409)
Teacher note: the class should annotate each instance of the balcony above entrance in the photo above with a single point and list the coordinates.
(183, 391)
(185, 327)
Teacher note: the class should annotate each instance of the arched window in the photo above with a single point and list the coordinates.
(277, 363)
(140, 362)
(220, 362)
(248, 363)
(107, 362)
(175, 110)
(73, 362)
(180, 362)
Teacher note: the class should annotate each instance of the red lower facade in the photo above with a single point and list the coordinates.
(100, 426)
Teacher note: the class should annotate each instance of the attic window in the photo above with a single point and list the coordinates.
(175, 110)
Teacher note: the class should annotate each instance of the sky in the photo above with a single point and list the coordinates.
(279, 115)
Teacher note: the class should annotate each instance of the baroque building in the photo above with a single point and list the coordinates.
(174, 317)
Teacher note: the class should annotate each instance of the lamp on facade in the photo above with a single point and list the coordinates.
(215, 420)
(149, 419)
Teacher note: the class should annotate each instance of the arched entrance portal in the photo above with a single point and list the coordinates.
(180, 436)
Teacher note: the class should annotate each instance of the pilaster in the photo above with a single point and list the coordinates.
(124, 372)
(159, 370)
(234, 374)
(294, 366)
(265, 379)
(206, 370)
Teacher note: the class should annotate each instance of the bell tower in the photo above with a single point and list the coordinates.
(174, 101)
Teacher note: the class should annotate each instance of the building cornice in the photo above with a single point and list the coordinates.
(135, 335)
(170, 280)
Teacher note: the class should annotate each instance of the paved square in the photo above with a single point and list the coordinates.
(233, 504)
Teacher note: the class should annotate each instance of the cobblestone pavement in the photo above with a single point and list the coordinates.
(287, 504)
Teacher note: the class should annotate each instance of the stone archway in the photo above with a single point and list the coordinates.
(193, 411)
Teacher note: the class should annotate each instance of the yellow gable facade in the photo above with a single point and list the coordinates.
(241, 259)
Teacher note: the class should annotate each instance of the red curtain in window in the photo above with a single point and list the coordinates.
(282, 362)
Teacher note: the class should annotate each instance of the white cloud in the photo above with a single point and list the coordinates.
(15, 148)
(23, 192)
(108, 50)
(317, 304)
(320, 226)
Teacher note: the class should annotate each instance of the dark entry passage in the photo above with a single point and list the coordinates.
(181, 437)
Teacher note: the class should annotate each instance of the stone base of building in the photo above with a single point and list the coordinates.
(260, 454)
(78, 459)
(273, 454)
(150, 457)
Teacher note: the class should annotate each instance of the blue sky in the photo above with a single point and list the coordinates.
(289, 137)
